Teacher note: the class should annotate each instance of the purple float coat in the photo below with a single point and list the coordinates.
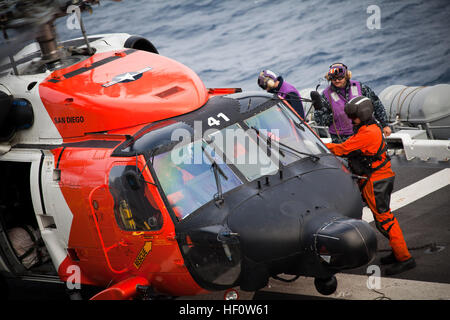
(286, 88)
(284, 91)
(342, 125)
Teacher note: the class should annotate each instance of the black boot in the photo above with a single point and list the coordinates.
(389, 259)
(400, 266)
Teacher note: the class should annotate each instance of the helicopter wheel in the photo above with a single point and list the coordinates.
(326, 286)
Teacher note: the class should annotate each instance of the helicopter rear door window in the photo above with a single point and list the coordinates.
(132, 206)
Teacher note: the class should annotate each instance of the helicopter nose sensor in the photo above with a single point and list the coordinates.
(345, 244)
(318, 247)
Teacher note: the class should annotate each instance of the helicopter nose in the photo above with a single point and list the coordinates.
(338, 242)
(317, 246)
(345, 243)
(305, 226)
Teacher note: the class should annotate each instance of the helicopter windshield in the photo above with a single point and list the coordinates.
(284, 128)
(187, 177)
(241, 149)
(193, 172)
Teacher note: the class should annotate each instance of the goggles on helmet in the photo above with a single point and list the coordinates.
(337, 72)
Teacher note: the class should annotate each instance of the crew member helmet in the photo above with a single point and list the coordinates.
(360, 107)
(267, 79)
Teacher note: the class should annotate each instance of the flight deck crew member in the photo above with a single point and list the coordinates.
(366, 152)
(329, 107)
(273, 83)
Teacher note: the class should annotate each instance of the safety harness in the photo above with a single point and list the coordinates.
(361, 164)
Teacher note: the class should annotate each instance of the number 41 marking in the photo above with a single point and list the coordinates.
(215, 122)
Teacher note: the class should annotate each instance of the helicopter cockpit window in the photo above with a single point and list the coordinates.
(134, 206)
(186, 174)
(158, 135)
(282, 126)
(242, 150)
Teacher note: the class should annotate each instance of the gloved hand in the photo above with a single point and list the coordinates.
(316, 100)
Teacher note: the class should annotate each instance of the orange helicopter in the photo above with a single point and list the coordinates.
(139, 180)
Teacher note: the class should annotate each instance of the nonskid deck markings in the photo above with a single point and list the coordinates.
(414, 192)
(357, 287)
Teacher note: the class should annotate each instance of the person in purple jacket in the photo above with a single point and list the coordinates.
(329, 107)
(272, 83)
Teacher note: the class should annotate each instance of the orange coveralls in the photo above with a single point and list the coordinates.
(377, 191)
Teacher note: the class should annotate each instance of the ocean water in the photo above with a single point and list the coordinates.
(228, 42)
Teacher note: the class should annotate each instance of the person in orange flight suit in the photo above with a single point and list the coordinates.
(366, 152)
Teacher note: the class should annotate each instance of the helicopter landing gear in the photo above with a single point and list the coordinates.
(326, 286)
(74, 294)
(147, 293)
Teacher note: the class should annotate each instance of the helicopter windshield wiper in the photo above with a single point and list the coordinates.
(268, 142)
(285, 146)
(288, 148)
(139, 172)
(217, 170)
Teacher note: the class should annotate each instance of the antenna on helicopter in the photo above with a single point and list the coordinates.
(76, 9)
(83, 31)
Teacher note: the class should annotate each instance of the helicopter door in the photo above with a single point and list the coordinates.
(130, 200)
(21, 219)
(134, 205)
(101, 205)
